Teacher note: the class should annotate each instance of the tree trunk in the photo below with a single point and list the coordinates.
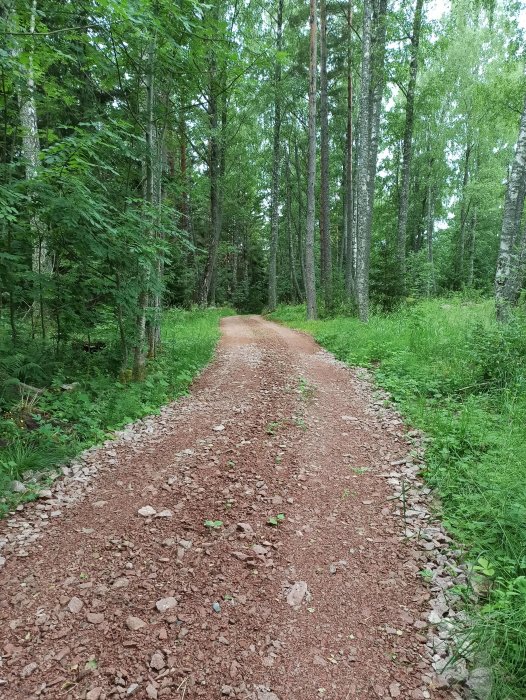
(460, 248)
(310, 272)
(514, 202)
(274, 194)
(299, 225)
(144, 274)
(348, 226)
(325, 233)
(403, 205)
(371, 91)
(214, 158)
(430, 227)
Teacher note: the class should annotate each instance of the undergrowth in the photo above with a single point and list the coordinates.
(461, 378)
(84, 397)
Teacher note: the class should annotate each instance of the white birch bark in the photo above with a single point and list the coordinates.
(506, 261)
(310, 274)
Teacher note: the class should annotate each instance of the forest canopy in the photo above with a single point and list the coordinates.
(351, 155)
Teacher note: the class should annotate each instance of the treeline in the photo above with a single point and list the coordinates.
(349, 154)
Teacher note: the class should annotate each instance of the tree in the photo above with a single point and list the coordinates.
(511, 248)
(408, 142)
(310, 271)
(325, 232)
(274, 193)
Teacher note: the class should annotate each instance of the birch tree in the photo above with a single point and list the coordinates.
(510, 252)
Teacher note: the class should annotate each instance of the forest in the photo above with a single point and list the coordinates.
(355, 169)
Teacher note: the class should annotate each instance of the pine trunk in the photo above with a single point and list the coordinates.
(310, 272)
(407, 147)
(325, 233)
(274, 194)
(348, 195)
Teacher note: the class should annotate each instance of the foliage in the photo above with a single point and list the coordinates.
(461, 378)
(38, 434)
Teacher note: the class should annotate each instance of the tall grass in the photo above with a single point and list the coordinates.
(462, 379)
(35, 435)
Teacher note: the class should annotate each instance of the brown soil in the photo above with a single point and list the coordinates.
(274, 425)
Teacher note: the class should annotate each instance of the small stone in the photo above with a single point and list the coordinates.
(95, 618)
(28, 670)
(2, 562)
(164, 514)
(134, 623)
(94, 694)
(132, 689)
(218, 428)
(245, 528)
(157, 661)
(297, 593)
(394, 690)
(216, 607)
(146, 511)
(99, 504)
(259, 550)
(121, 582)
(151, 692)
(75, 605)
(226, 690)
(165, 604)
(18, 487)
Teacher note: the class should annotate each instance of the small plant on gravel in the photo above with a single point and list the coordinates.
(274, 521)
(306, 390)
(360, 470)
(213, 524)
(300, 422)
(273, 427)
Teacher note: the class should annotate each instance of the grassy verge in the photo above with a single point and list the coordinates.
(36, 434)
(462, 379)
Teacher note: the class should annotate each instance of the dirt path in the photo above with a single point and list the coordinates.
(274, 425)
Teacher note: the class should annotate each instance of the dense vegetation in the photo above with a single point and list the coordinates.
(87, 397)
(459, 376)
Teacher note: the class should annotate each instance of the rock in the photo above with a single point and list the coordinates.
(480, 682)
(134, 623)
(245, 528)
(132, 689)
(99, 504)
(146, 511)
(28, 670)
(94, 694)
(218, 428)
(2, 562)
(151, 691)
(165, 604)
(259, 550)
(297, 593)
(263, 693)
(216, 607)
(46, 493)
(75, 605)
(186, 544)
(121, 582)
(394, 690)
(157, 661)
(164, 514)
(18, 487)
(95, 618)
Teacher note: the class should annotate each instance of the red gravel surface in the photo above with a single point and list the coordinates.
(325, 604)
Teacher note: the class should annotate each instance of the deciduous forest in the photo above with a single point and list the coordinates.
(355, 169)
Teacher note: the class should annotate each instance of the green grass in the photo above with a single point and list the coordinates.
(462, 379)
(37, 435)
